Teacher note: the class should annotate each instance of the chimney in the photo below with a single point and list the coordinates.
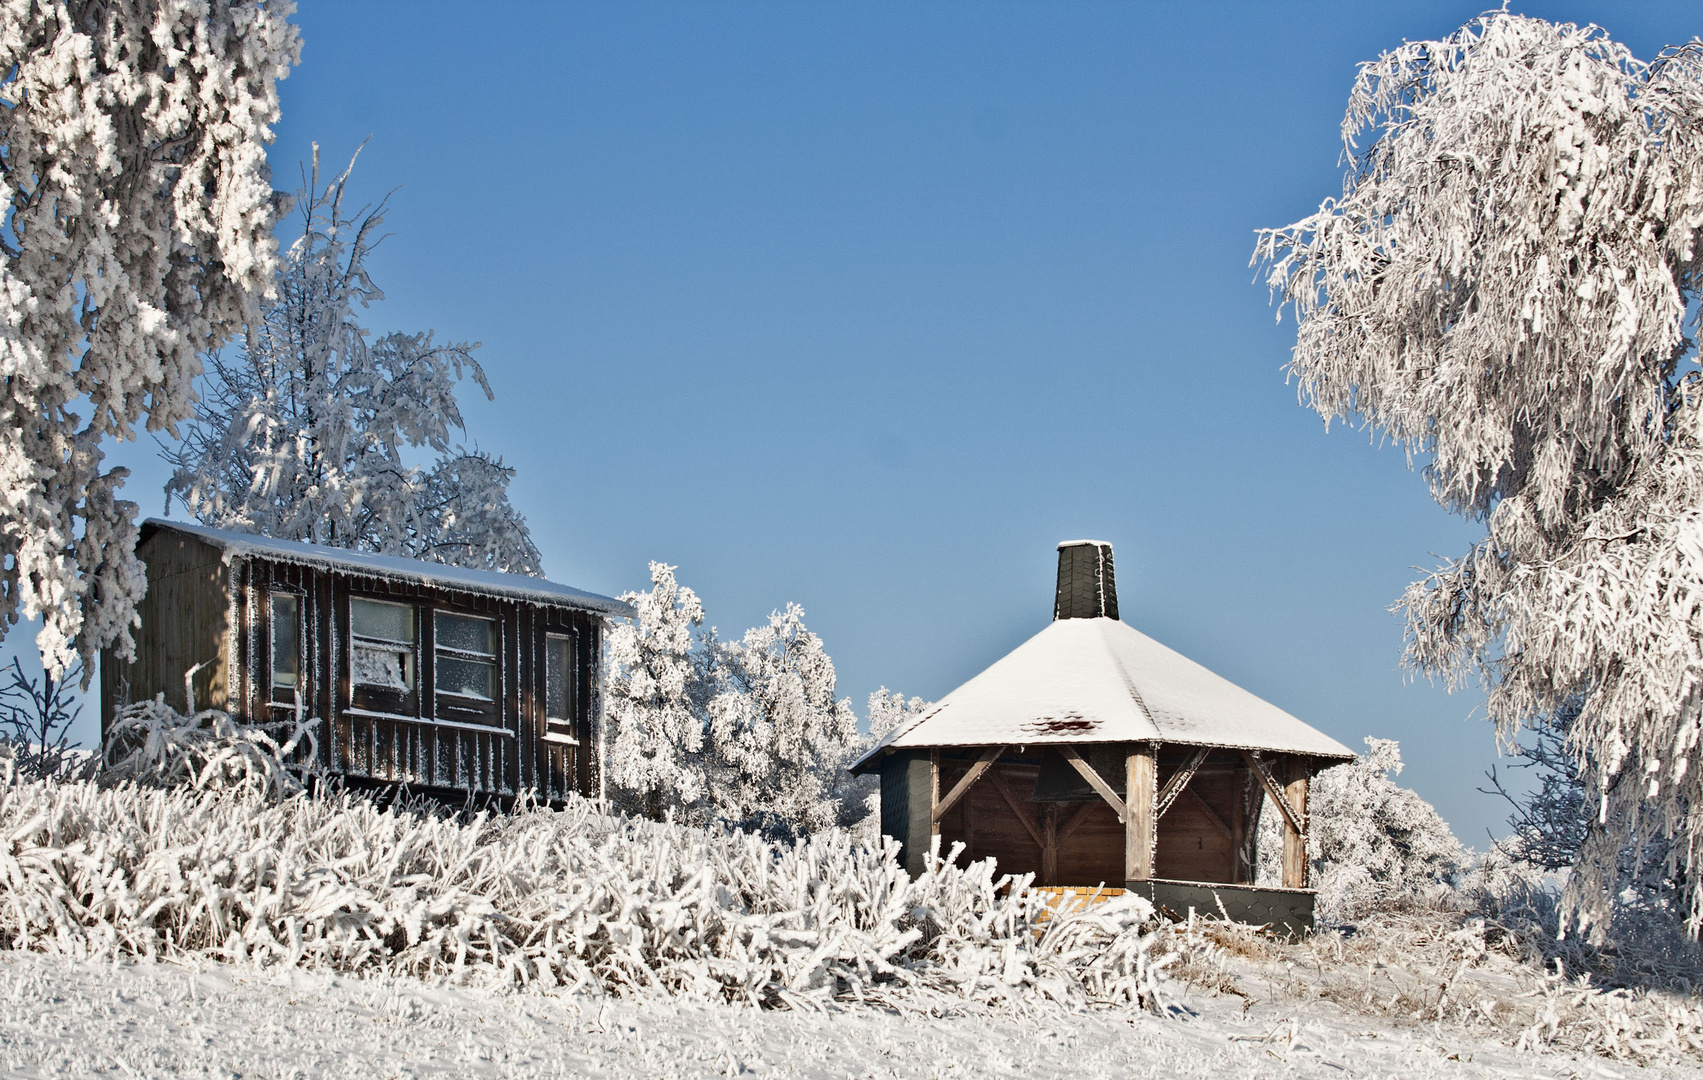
(1086, 588)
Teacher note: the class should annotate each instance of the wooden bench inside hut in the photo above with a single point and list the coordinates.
(1094, 756)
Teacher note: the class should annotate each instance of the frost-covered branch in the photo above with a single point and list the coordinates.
(138, 215)
(303, 434)
(1508, 287)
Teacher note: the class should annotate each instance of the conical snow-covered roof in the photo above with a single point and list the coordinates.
(1096, 680)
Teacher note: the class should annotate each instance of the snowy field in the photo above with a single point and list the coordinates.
(62, 1018)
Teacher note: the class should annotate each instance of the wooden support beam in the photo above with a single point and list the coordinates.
(1238, 834)
(1262, 769)
(1179, 780)
(989, 756)
(1295, 840)
(1049, 850)
(1095, 780)
(1016, 805)
(1211, 815)
(1141, 770)
(934, 792)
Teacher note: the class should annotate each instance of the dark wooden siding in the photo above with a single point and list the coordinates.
(198, 608)
(185, 621)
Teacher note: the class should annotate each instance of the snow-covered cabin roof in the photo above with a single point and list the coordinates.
(1101, 680)
(395, 568)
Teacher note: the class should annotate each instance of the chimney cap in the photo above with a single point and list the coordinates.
(1062, 544)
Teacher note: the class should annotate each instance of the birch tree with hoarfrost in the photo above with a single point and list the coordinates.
(1508, 288)
(302, 433)
(138, 215)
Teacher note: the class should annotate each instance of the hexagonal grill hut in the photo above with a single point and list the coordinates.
(1094, 755)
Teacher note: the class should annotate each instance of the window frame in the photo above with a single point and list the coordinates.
(299, 690)
(453, 705)
(375, 697)
(563, 730)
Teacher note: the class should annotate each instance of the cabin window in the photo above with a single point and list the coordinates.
(559, 688)
(381, 651)
(286, 618)
(464, 667)
(467, 656)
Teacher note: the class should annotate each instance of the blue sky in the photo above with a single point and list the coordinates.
(867, 306)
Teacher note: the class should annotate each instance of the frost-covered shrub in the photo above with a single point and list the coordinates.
(197, 841)
(153, 744)
(542, 897)
(1370, 840)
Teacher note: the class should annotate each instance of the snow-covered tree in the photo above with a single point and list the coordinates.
(655, 702)
(138, 215)
(782, 739)
(1507, 287)
(302, 434)
(889, 711)
(747, 732)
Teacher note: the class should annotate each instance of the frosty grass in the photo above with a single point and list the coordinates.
(197, 909)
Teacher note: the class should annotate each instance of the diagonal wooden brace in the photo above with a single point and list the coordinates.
(1095, 780)
(989, 756)
(1175, 785)
(1017, 808)
(1262, 769)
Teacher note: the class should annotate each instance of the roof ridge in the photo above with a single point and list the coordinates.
(1123, 672)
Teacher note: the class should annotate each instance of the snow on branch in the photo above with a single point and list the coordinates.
(138, 215)
(1508, 287)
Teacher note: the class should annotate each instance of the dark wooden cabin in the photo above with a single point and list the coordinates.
(1094, 756)
(460, 683)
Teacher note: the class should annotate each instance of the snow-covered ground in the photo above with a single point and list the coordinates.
(62, 1018)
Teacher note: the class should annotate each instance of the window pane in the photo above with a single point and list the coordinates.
(376, 619)
(474, 678)
(286, 640)
(558, 678)
(466, 633)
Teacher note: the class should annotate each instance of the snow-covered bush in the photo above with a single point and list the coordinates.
(1370, 840)
(746, 732)
(889, 711)
(655, 701)
(304, 433)
(152, 744)
(781, 738)
(213, 859)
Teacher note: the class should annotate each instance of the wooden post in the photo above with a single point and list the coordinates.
(1049, 849)
(1239, 836)
(933, 791)
(1141, 774)
(969, 830)
(1295, 840)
